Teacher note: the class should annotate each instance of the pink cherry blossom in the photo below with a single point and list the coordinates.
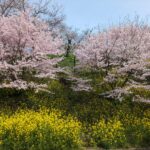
(25, 43)
(120, 52)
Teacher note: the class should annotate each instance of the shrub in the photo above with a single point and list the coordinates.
(41, 130)
(108, 134)
(137, 130)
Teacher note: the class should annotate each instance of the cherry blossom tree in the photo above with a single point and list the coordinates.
(43, 9)
(25, 43)
(122, 53)
(10, 7)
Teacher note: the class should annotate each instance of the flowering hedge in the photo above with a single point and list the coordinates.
(39, 131)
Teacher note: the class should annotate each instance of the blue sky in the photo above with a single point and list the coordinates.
(84, 14)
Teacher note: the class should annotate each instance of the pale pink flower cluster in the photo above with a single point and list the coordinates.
(25, 43)
(124, 46)
(122, 51)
